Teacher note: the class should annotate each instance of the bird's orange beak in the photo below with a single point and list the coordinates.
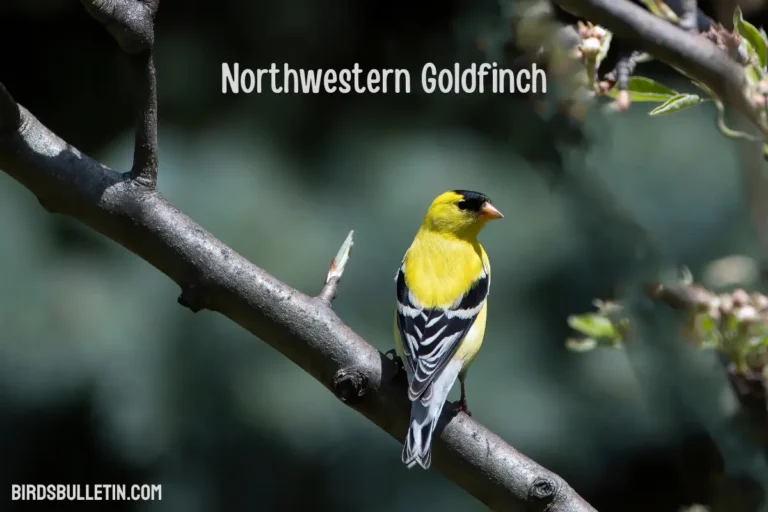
(489, 212)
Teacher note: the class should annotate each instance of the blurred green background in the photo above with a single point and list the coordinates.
(105, 378)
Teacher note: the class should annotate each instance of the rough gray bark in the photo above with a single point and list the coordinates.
(127, 208)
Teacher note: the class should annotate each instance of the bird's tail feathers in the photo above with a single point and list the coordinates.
(418, 441)
(425, 397)
(425, 412)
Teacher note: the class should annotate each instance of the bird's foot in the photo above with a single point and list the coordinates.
(461, 406)
(392, 356)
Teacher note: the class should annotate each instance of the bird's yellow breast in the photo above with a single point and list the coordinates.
(440, 269)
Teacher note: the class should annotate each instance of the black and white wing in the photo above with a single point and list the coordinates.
(431, 336)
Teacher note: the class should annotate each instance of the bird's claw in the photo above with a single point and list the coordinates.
(391, 354)
(461, 406)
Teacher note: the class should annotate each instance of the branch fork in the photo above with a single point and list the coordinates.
(132, 24)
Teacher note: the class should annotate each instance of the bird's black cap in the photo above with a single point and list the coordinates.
(472, 200)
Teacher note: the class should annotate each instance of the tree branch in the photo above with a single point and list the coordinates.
(212, 276)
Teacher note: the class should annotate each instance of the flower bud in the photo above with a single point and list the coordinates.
(740, 297)
(746, 314)
(726, 304)
(599, 32)
(760, 301)
(590, 47)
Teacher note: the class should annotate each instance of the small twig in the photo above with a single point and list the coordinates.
(680, 297)
(725, 130)
(624, 68)
(144, 167)
(337, 270)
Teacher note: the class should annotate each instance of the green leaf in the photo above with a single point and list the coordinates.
(644, 89)
(676, 104)
(706, 331)
(752, 36)
(641, 97)
(737, 17)
(594, 326)
(641, 84)
(706, 326)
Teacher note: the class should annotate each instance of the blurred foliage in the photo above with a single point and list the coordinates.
(733, 323)
(606, 327)
(103, 377)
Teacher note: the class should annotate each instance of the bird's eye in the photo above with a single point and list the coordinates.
(463, 205)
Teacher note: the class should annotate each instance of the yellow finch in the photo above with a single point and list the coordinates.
(442, 290)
